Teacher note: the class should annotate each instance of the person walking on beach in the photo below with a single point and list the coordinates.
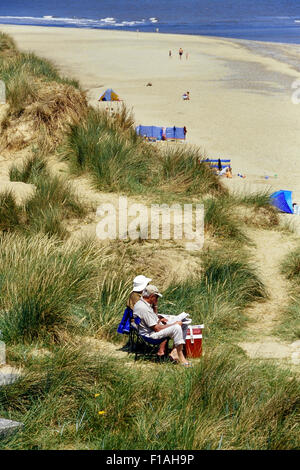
(180, 53)
(170, 54)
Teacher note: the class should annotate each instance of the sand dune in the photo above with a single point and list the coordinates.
(241, 92)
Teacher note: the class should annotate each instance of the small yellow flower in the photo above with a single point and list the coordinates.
(97, 395)
(101, 412)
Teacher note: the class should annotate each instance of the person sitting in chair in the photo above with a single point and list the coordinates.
(157, 327)
(139, 284)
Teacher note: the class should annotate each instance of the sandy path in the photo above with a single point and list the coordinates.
(271, 248)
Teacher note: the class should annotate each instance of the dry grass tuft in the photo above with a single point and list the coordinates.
(57, 106)
(51, 109)
(7, 45)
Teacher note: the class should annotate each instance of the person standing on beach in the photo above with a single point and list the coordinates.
(180, 53)
(170, 54)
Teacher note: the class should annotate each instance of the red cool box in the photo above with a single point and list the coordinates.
(193, 342)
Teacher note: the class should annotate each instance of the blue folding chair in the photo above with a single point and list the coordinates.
(143, 345)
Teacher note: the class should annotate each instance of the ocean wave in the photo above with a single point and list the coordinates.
(108, 20)
(101, 22)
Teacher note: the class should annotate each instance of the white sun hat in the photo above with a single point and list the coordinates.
(140, 282)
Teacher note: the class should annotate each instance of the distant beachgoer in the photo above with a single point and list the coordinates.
(228, 172)
(219, 165)
(170, 54)
(184, 131)
(180, 53)
(188, 95)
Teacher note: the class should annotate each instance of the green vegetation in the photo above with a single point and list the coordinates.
(24, 74)
(41, 102)
(121, 161)
(7, 44)
(60, 299)
(10, 213)
(41, 280)
(219, 294)
(225, 402)
(290, 327)
(53, 201)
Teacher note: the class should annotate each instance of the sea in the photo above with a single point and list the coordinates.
(260, 20)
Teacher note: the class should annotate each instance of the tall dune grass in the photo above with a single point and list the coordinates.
(120, 160)
(7, 44)
(225, 402)
(291, 266)
(221, 221)
(30, 65)
(10, 213)
(53, 201)
(115, 161)
(218, 295)
(290, 325)
(39, 98)
(102, 314)
(40, 280)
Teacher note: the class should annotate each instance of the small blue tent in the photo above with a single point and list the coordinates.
(109, 95)
(283, 201)
(157, 132)
(149, 131)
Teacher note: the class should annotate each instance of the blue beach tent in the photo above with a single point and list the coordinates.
(156, 132)
(109, 95)
(283, 201)
(175, 133)
(149, 131)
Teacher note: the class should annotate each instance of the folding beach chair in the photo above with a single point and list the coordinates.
(214, 162)
(142, 345)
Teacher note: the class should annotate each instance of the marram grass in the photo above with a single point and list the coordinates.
(74, 398)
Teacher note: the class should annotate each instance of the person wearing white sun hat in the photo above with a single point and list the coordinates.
(156, 326)
(139, 284)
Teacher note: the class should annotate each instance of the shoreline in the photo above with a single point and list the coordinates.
(241, 91)
(260, 47)
(123, 30)
(130, 31)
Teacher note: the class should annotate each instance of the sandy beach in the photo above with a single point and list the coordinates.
(241, 92)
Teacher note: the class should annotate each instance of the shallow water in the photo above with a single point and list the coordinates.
(266, 20)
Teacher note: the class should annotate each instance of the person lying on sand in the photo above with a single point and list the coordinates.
(157, 326)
